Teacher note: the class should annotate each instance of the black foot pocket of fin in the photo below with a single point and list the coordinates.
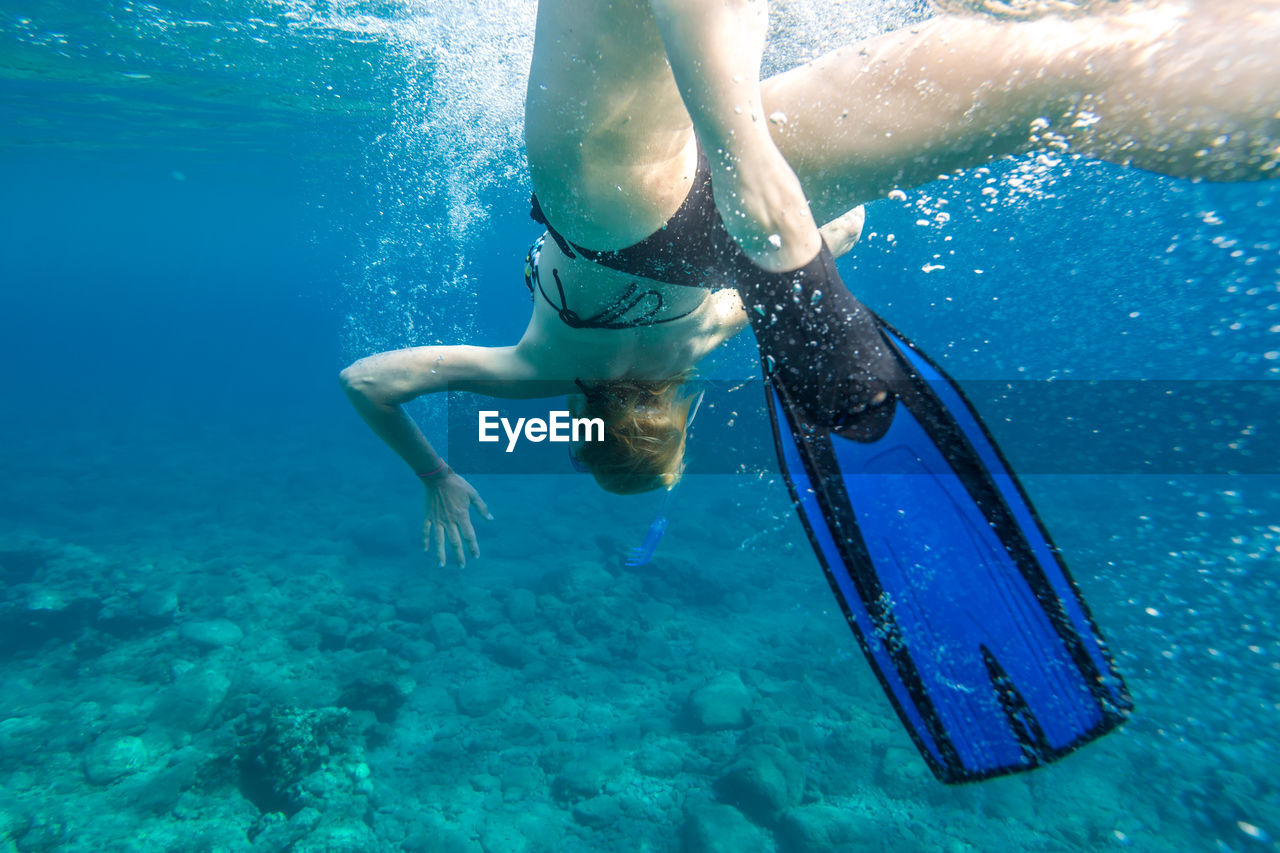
(823, 349)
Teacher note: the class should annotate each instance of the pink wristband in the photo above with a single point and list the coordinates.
(433, 472)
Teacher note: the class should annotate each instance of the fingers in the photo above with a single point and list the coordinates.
(480, 506)
(455, 545)
(456, 535)
(448, 531)
(469, 536)
(439, 532)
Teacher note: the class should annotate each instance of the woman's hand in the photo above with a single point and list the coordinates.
(449, 500)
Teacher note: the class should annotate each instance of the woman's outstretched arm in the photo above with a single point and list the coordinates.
(1187, 90)
(380, 384)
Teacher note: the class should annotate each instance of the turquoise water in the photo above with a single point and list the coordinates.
(218, 629)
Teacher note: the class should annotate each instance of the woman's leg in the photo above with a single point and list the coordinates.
(610, 140)
(1188, 91)
(610, 145)
(714, 49)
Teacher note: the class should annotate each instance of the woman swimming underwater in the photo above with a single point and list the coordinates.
(660, 161)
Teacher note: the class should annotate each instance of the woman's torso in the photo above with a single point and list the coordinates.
(612, 156)
(690, 324)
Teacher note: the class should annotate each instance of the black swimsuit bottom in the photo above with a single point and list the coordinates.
(692, 250)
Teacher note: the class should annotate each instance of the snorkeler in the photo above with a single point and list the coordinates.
(664, 177)
(1184, 91)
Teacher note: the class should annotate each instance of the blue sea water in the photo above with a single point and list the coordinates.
(217, 628)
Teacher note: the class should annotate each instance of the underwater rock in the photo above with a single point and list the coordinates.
(509, 649)
(417, 650)
(654, 614)
(721, 704)
(278, 835)
(447, 630)
(820, 828)
(902, 773)
(112, 757)
(484, 782)
(714, 828)
(662, 761)
(521, 606)
(12, 824)
(45, 833)
(282, 748)
(21, 738)
(35, 616)
(374, 681)
(213, 634)
(481, 614)
(302, 639)
(761, 782)
(22, 558)
(416, 602)
(49, 599)
(366, 638)
(597, 811)
(601, 619)
(158, 604)
(159, 792)
(191, 702)
(381, 694)
(581, 582)
(684, 582)
(431, 837)
(585, 777)
(333, 630)
(499, 834)
(521, 782)
(346, 837)
(480, 697)
(434, 702)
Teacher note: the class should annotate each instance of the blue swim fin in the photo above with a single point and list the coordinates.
(957, 596)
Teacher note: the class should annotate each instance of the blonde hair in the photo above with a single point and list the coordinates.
(644, 432)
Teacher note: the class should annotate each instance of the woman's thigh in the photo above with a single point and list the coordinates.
(899, 109)
(608, 138)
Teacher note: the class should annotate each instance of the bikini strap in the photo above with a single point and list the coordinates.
(536, 214)
(626, 302)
